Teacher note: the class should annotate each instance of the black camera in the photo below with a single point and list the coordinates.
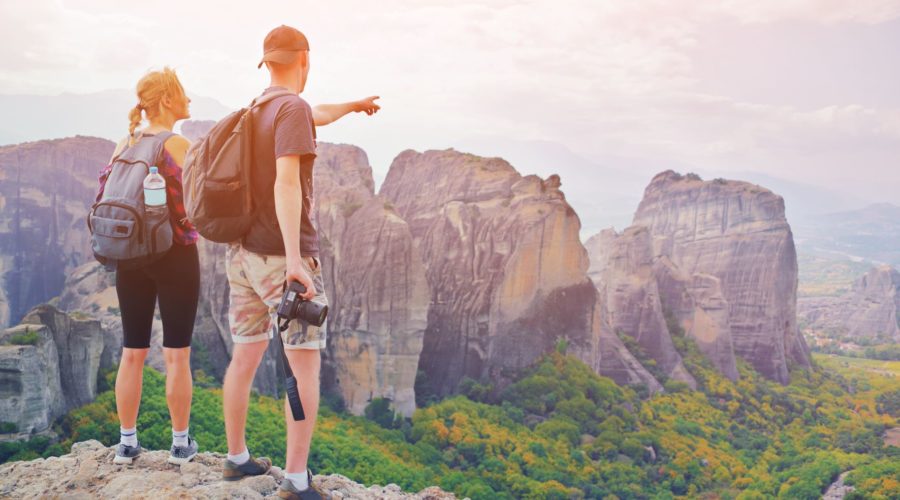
(293, 306)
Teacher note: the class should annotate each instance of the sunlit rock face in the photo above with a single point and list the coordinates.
(46, 190)
(736, 232)
(506, 270)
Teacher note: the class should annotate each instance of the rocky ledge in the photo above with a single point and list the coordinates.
(88, 473)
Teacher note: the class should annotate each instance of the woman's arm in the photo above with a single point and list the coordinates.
(177, 146)
(323, 114)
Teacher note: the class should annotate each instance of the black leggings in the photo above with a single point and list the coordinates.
(175, 280)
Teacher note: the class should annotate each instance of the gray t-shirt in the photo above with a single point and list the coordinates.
(281, 127)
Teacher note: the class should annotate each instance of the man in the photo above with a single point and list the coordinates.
(282, 245)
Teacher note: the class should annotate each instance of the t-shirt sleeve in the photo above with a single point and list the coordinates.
(294, 133)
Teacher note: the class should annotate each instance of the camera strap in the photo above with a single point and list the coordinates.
(282, 326)
(284, 360)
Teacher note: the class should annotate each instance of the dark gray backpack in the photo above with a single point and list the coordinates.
(217, 192)
(123, 234)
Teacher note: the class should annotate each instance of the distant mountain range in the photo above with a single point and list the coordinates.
(871, 233)
(605, 191)
(100, 114)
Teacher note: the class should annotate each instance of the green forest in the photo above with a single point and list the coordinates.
(561, 431)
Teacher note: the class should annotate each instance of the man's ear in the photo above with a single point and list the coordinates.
(166, 101)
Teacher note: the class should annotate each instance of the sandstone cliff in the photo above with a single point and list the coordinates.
(79, 344)
(48, 365)
(375, 281)
(736, 232)
(698, 305)
(90, 290)
(633, 297)
(88, 473)
(870, 310)
(30, 391)
(651, 295)
(46, 188)
(506, 270)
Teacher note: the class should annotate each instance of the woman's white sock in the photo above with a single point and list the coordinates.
(128, 437)
(179, 438)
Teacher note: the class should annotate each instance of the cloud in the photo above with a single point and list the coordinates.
(611, 77)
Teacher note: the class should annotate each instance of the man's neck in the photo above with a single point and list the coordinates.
(292, 84)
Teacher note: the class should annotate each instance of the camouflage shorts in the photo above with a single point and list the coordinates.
(256, 288)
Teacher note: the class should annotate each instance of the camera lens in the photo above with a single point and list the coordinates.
(313, 313)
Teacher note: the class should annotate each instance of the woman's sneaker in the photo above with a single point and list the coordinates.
(180, 455)
(288, 491)
(253, 467)
(125, 454)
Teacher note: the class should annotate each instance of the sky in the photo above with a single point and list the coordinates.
(802, 90)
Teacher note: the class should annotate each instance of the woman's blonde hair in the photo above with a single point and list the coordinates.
(151, 88)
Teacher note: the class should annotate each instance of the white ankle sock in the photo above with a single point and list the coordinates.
(240, 458)
(300, 480)
(128, 437)
(179, 438)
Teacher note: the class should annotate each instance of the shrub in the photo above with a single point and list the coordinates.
(379, 411)
(25, 338)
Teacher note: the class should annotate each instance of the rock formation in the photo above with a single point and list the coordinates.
(90, 290)
(46, 188)
(633, 298)
(505, 267)
(737, 233)
(88, 473)
(48, 365)
(79, 345)
(614, 360)
(697, 304)
(375, 281)
(870, 310)
(195, 129)
(31, 395)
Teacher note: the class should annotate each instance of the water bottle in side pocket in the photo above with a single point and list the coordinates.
(154, 192)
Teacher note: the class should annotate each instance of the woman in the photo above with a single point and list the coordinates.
(173, 280)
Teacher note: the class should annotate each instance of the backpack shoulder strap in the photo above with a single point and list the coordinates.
(268, 97)
(160, 139)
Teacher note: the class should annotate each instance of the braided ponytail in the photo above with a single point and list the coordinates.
(134, 116)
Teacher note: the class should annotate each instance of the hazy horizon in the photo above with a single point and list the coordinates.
(802, 91)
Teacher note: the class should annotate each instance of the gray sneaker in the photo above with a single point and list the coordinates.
(125, 454)
(288, 491)
(180, 455)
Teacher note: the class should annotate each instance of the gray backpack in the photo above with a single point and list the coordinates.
(123, 234)
(217, 192)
